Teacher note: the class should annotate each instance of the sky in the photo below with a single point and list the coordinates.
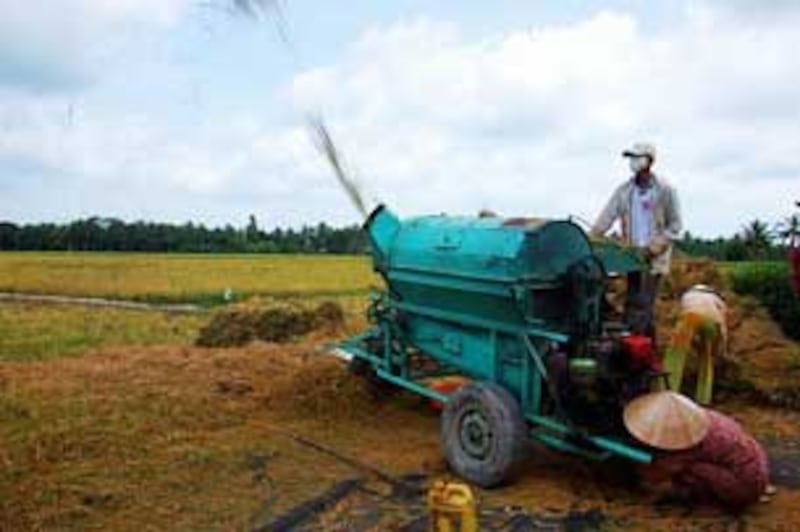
(184, 110)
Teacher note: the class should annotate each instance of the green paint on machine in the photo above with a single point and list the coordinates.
(507, 304)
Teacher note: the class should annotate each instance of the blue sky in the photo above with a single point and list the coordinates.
(177, 110)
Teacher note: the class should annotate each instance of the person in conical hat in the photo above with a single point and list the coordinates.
(708, 457)
(666, 420)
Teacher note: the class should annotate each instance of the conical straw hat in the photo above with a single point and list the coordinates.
(666, 420)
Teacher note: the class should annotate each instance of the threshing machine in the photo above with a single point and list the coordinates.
(518, 308)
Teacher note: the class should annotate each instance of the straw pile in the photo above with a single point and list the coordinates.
(274, 321)
(761, 361)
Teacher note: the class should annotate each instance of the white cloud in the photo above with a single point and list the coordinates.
(534, 122)
(528, 122)
(139, 166)
(98, 148)
(47, 45)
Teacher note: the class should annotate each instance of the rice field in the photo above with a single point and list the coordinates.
(203, 279)
(31, 332)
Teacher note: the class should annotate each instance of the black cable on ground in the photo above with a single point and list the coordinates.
(403, 488)
(313, 507)
(396, 483)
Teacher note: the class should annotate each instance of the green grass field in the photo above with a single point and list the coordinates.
(201, 279)
(30, 332)
(733, 267)
(38, 331)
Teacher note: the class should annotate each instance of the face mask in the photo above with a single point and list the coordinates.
(638, 164)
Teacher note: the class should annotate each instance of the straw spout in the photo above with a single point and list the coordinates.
(382, 226)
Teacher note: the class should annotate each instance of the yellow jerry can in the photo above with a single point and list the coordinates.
(452, 504)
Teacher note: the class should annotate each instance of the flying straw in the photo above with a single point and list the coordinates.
(324, 143)
(257, 8)
(318, 130)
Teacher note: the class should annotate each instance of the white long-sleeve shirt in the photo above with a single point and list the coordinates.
(665, 223)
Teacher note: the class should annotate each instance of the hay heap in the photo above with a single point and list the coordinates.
(321, 388)
(268, 321)
(761, 363)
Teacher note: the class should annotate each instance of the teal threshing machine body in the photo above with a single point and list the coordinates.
(518, 308)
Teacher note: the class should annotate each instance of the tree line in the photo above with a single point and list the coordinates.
(110, 234)
(756, 241)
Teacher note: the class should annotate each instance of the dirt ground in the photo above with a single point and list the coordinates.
(194, 439)
(272, 436)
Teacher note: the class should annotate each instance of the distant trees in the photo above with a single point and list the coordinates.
(788, 230)
(109, 234)
(757, 240)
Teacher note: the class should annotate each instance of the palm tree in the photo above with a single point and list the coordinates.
(788, 230)
(757, 238)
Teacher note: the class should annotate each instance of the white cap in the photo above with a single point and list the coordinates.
(641, 149)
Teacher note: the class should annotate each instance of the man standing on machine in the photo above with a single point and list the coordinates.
(648, 210)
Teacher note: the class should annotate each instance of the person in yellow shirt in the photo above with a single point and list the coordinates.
(701, 329)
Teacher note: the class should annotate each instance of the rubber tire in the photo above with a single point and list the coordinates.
(509, 441)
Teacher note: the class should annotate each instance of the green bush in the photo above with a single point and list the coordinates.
(770, 283)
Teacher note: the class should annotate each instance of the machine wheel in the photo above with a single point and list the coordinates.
(483, 433)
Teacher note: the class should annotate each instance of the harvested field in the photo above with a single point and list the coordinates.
(169, 436)
(186, 438)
